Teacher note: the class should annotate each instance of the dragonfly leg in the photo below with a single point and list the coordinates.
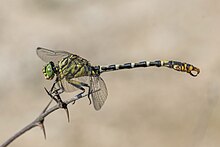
(89, 91)
(80, 85)
(56, 90)
(53, 86)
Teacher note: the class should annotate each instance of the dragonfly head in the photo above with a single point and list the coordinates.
(49, 71)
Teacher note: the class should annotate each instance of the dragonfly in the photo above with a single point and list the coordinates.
(72, 72)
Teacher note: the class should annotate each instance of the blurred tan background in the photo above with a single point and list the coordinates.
(154, 107)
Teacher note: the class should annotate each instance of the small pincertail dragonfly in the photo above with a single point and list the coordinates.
(73, 72)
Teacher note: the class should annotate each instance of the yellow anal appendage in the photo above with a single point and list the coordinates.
(185, 67)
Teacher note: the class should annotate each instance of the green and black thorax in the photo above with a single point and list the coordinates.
(71, 66)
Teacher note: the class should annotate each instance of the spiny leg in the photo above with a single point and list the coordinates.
(56, 91)
(80, 86)
(53, 86)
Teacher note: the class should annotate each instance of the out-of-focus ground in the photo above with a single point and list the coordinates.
(155, 107)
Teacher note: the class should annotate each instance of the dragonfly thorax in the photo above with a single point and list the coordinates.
(49, 71)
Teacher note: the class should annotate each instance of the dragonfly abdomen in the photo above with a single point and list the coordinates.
(176, 65)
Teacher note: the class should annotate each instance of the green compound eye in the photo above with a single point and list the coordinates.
(48, 71)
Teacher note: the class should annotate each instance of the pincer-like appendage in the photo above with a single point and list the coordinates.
(185, 67)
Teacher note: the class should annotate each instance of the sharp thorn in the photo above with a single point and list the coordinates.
(44, 131)
(41, 125)
(64, 106)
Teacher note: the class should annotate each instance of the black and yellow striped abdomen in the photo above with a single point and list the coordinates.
(176, 65)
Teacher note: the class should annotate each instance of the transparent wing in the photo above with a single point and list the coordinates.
(70, 88)
(49, 55)
(97, 84)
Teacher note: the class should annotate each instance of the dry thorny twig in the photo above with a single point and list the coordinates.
(39, 121)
